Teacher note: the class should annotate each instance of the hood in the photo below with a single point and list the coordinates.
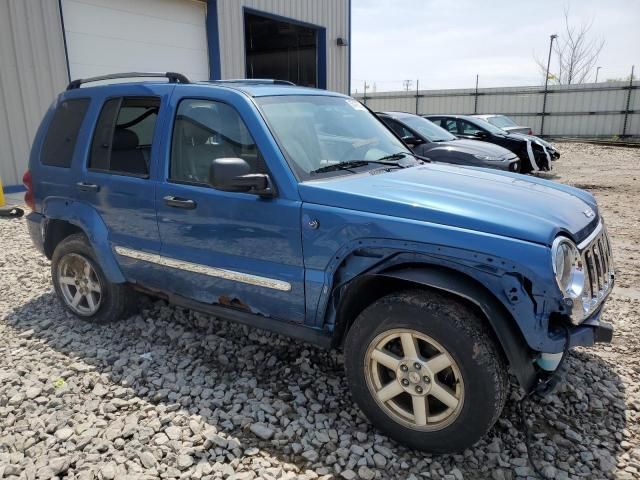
(533, 138)
(473, 147)
(483, 200)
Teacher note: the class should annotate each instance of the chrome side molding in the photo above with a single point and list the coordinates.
(204, 269)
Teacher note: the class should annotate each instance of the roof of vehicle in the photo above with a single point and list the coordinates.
(487, 115)
(446, 115)
(396, 114)
(253, 88)
(259, 89)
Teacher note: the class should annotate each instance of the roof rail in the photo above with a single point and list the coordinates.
(172, 76)
(256, 81)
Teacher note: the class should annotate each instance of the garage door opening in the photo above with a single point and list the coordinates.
(283, 50)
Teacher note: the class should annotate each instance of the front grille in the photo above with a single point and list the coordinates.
(597, 260)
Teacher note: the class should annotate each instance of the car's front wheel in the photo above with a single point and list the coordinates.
(83, 287)
(425, 370)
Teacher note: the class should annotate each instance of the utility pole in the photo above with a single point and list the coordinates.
(597, 72)
(407, 84)
(546, 83)
(475, 103)
(626, 110)
(364, 98)
(417, 94)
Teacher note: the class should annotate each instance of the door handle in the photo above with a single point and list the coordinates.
(88, 187)
(177, 202)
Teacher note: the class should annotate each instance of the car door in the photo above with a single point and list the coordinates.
(233, 249)
(116, 178)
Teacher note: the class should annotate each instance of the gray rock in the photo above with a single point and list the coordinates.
(184, 461)
(348, 474)
(262, 431)
(147, 459)
(366, 473)
(310, 455)
(64, 434)
(379, 460)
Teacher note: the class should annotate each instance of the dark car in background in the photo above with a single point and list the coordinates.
(505, 123)
(508, 125)
(428, 139)
(534, 155)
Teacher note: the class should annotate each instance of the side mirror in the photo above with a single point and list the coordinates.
(411, 140)
(234, 175)
(480, 134)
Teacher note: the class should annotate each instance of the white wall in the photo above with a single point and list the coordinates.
(332, 14)
(106, 36)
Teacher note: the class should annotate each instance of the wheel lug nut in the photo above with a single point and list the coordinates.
(426, 379)
(404, 368)
(417, 366)
(419, 389)
(405, 382)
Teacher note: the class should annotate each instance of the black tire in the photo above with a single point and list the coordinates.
(117, 300)
(465, 338)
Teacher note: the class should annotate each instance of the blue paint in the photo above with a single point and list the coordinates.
(213, 40)
(321, 35)
(492, 227)
(13, 188)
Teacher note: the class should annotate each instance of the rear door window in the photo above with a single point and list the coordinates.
(450, 125)
(60, 141)
(123, 138)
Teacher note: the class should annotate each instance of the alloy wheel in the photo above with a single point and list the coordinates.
(414, 379)
(79, 284)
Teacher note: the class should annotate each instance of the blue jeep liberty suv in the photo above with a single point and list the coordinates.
(297, 210)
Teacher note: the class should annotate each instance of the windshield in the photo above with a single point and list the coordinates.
(502, 121)
(319, 131)
(427, 129)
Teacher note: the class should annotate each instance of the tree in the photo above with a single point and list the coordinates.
(574, 56)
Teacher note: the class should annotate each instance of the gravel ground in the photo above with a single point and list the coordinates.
(170, 393)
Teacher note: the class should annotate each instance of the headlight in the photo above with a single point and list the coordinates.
(488, 158)
(568, 268)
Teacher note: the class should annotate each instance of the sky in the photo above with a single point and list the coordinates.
(445, 43)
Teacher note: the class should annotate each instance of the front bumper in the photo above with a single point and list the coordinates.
(593, 330)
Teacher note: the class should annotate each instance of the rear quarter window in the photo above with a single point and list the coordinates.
(60, 141)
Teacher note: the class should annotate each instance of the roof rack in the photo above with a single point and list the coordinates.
(172, 76)
(255, 81)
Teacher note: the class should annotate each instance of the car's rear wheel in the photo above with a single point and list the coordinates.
(426, 371)
(82, 286)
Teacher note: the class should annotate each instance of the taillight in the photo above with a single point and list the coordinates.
(28, 196)
(530, 132)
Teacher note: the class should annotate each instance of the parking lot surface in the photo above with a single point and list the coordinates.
(170, 393)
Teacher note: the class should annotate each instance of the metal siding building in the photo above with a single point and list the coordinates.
(332, 15)
(45, 43)
(32, 71)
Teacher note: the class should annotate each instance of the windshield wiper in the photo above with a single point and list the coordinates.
(347, 165)
(401, 155)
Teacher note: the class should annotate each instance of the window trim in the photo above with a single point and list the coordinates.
(121, 99)
(167, 171)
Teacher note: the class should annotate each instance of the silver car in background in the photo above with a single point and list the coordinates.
(505, 123)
